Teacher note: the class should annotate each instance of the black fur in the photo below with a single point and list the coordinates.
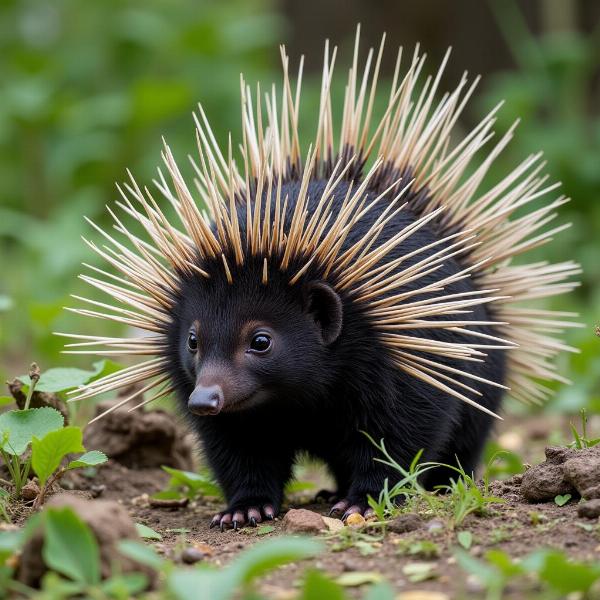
(316, 395)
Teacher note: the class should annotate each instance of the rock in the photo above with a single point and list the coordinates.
(109, 523)
(589, 509)
(355, 520)
(140, 439)
(192, 555)
(545, 481)
(405, 523)
(301, 520)
(582, 470)
(333, 525)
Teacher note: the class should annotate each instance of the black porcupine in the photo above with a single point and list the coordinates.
(368, 288)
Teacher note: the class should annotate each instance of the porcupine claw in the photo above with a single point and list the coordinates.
(241, 516)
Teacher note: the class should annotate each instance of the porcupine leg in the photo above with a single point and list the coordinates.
(366, 477)
(252, 475)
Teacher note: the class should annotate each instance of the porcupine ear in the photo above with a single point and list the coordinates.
(324, 305)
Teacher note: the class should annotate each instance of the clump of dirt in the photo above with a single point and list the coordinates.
(141, 440)
(565, 471)
(110, 523)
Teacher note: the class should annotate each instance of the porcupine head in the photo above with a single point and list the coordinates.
(367, 276)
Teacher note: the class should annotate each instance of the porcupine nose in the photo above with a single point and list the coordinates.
(206, 400)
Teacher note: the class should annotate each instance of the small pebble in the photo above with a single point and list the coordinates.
(97, 490)
(355, 520)
(192, 555)
(435, 526)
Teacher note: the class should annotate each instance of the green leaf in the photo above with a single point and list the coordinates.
(270, 554)
(199, 584)
(356, 578)
(70, 548)
(195, 482)
(6, 400)
(147, 532)
(141, 553)
(465, 539)
(566, 576)
(561, 500)
(294, 487)
(125, 585)
(380, 591)
(317, 586)
(47, 453)
(63, 379)
(89, 459)
(419, 571)
(22, 425)
(265, 529)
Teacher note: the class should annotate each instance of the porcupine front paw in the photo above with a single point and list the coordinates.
(245, 513)
(351, 505)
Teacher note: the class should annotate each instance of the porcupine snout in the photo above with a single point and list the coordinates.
(206, 400)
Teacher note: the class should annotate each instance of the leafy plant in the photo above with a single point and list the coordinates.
(42, 429)
(48, 453)
(465, 497)
(405, 489)
(185, 484)
(582, 441)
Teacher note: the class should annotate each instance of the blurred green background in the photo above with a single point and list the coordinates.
(87, 89)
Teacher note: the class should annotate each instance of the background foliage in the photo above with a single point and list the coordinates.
(89, 88)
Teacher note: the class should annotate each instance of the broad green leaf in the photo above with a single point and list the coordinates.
(380, 591)
(10, 542)
(70, 548)
(147, 532)
(356, 578)
(465, 539)
(270, 554)
(566, 576)
(89, 459)
(317, 586)
(201, 584)
(125, 585)
(141, 553)
(265, 529)
(63, 379)
(48, 452)
(22, 425)
(6, 400)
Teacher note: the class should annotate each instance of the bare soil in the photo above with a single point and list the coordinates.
(515, 526)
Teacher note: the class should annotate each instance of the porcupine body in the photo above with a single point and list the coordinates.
(319, 396)
(368, 289)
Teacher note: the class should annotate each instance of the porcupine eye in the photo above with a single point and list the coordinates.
(192, 342)
(260, 343)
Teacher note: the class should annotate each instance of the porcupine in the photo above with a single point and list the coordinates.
(365, 288)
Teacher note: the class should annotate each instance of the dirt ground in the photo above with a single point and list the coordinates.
(516, 527)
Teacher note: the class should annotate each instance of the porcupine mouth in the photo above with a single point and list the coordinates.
(254, 399)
